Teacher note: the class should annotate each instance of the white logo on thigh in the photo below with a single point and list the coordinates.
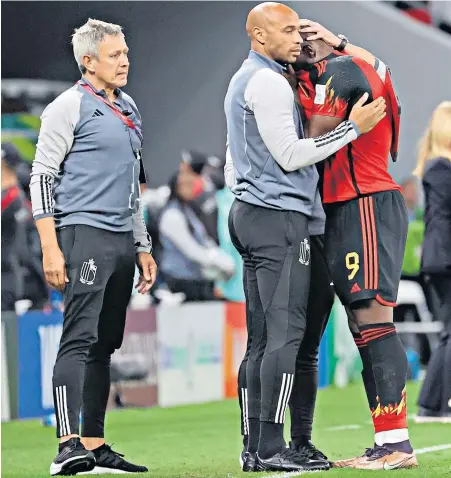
(304, 252)
(88, 272)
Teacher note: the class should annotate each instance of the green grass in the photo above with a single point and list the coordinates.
(203, 441)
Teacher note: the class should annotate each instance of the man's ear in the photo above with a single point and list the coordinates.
(88, 63)
(259, 34)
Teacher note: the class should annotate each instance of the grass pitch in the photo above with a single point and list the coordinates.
(203, 441)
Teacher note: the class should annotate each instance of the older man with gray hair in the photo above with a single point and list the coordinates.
(85, 188)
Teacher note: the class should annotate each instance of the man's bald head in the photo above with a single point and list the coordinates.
(266, 14)
(274, 31)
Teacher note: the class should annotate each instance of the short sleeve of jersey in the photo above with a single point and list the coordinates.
(338, 88)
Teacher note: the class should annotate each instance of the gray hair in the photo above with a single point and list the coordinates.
(86, 39)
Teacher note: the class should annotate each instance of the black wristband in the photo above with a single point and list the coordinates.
(342, 45)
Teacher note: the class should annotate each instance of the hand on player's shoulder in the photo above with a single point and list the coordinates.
(366, 117)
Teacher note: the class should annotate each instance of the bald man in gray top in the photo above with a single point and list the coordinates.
(276, 189)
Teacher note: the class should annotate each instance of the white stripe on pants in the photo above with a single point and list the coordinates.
(284, 397)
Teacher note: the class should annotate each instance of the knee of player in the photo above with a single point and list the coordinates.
(370, 311)
(290, 346)
(307, 362)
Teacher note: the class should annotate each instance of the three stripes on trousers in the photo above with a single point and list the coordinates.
(284, 397)
(61, 410)
(369, 238)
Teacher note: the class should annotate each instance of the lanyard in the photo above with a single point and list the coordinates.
(118, 113)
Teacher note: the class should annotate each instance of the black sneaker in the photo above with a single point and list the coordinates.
(249, 462)
(72, 458)
(109, 461)
(308, 448)
(289, 460)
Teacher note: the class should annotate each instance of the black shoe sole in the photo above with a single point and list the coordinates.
(102, 470)
(77, 466)
(290, 469)
(327, 463)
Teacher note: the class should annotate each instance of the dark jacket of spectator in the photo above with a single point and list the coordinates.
(434, 167)
(437, 236)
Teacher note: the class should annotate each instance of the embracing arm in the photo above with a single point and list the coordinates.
(269, 96)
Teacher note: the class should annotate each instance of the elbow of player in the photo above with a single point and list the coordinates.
(288, 168)
(287, 165)
(285, 159)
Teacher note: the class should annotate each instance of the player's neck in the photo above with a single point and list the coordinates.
(255, 46)
(258, 48)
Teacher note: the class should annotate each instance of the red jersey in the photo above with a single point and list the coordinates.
(307, 79)
(361, 167)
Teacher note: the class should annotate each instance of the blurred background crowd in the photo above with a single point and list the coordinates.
(186, 201)
(436, 14)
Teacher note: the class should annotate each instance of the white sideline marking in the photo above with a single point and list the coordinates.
(431, 449)
(343, 427)
(420, 451)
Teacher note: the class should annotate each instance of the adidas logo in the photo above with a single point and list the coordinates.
(97, 113)
(355, 288)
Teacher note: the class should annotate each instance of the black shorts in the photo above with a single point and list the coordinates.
(365, 240)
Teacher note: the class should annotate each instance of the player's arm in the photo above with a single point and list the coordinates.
(318, 32)
(141, 238)
(336, 92)
(270, 98)
(56, 136)
(55, 140)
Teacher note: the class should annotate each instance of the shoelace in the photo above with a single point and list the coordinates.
(312, 450)
(294, 455)
(109, 448)
(376, 452)
(113, 455)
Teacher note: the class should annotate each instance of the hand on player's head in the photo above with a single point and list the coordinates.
(314, 31)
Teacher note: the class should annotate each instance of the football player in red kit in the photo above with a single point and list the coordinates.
(365, 235)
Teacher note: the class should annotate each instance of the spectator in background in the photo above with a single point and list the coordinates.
(415, 232)
(208, 176)
(232, 289)
(191, 260)
(20, 244)
(434, 167)
(437, 13)
(409, 190)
